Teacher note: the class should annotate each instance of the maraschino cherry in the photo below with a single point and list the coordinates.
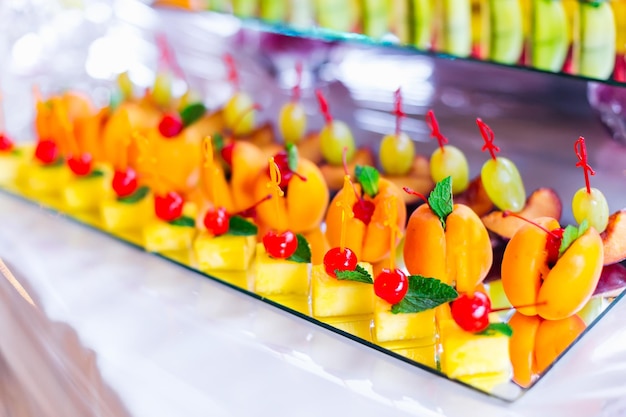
(47, 151)
(80, 165)
(337, 259)
(471, 311)
(170, 125)
(125, 182)
(362, 209)
(391, 285)
(280, 245)
(6, 144)
(216, 220)
(286, 173)
(168, 207)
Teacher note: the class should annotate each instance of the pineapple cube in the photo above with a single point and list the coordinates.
(160, 236)
(487, 382)
(118, 216)
(464, 353)
(9, 167)
(424, 355)
(334, 297)
(359, 326)
(280, 276)
(402, 326)
(44, 179)
(224, 253)
(86, 193)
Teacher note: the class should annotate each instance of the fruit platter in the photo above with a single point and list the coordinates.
(581, 38)
(465, 273)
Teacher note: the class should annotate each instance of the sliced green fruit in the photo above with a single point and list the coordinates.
(507, 33)
(422, 23)
(375, 18)
(457, 24)
(597, 40)
(549, 41)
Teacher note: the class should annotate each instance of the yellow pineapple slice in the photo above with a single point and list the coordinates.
(161, 236)
(464, 354)
(280, 276)
(9, 166)
(334, 297)
(120, 216)
(86, 193)
(44, 179)
(402, 326)
(224, 253)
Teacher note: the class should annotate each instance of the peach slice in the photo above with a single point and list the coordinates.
(543, 202)
(475, 197)
(614, 238)
(418, 178)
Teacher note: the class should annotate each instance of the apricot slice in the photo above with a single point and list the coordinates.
(522, 347)
(334, 174)
(475, 197)
(461, 254)
(543, 202)
(309, 148)
(552, 292)
(614, 238)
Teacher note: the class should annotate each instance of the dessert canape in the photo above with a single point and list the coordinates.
(614, 238)
(283, 258)
(336, 140)
(89, 183)
(227, 240)
(367, 235)
(405, 306)
(305, 194)
(174, 227)
(398, 160)
(552, 270)
(447, 241)
(131, 206)
(339, 286)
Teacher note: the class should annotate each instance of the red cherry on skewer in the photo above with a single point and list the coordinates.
(337, 259)
(6, 144)
(125, 182)
(47, 151)
(280, 245)
(80, 165)
(391, 286)
(216, 220)
(170, 125)
(555, 236)
(471, 311)
(168, 207)
(227, 153)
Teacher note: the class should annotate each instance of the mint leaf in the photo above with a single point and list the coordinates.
(440, 200)
(217, 140)
(368, 178)
(116, 99)
(303, 252)
(135, 197)
(95, 174)
(192, 113)
(17, 152)
(495, 328)
(238, 226)
(424, 294)
(292, 157)
(360, 274)
(56, 163)
(570, 234)
(183, 221)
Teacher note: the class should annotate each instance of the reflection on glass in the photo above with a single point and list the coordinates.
(577, 37)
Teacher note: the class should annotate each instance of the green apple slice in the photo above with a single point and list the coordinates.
(507, 34)
(549, 41)
(597, 40)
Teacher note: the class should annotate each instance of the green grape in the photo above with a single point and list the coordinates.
(239, 114)
(334, 137)
(125, 85)
(292, 122)
(396, 154)
(450, 162)
(503, 184)
(591, 206)
(162, 88)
